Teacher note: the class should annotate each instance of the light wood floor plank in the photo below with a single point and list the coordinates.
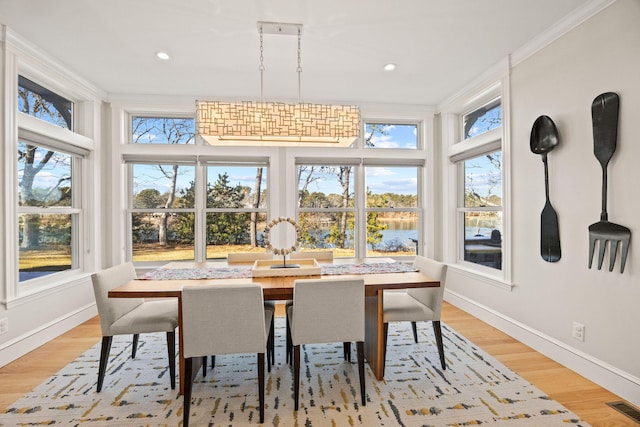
(581, 396)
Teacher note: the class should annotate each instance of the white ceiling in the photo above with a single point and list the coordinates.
(438, 45)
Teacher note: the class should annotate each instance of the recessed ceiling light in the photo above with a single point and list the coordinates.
(390, 67)
(162, 55)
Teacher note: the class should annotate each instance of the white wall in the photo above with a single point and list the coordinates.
(561, 81)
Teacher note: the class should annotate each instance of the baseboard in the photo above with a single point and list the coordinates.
(29, 341)
(609, 377)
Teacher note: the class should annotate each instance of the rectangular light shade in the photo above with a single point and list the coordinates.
(274, 123)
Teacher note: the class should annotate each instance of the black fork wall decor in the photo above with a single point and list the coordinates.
(604, 114)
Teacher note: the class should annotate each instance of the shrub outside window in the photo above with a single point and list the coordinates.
(236, 209)
(162, 212)
(326, 208)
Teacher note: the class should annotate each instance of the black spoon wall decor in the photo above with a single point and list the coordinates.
(544, 138)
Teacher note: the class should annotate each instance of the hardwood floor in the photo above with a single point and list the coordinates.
(575, 392)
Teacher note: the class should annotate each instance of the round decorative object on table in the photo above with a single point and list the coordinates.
(282, 251)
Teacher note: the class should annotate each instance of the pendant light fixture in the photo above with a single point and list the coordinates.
(277, 123)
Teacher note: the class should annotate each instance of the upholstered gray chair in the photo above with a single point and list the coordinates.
(318, 256)
(418, 305)
(223, 319)
(247, 257)
(123, 316)
(327, 311)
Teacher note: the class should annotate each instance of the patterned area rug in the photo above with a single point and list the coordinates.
(475, 389)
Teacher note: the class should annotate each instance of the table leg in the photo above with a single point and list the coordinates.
(180, 349)
(374, 330)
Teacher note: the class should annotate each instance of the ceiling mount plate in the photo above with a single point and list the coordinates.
(279, 28)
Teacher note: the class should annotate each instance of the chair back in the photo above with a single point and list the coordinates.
(327, 311)
(431, 297)
(225, 318)
(318, 255)
(111, 309)
(247, 256)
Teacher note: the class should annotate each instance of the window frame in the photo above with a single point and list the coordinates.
(33, 130)
(457, 151)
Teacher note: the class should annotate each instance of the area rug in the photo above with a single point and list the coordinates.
(475, 389)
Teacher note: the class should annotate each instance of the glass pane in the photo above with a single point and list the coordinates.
(236, 187)
(392, 235)
(163, 186)
(325, 186)
(235, 232)
(391, 187)
(162, 130)
(328, 230)
(483, 180)
(483, 238)
(386, 135)
(482, 120)
(45, 244)
(44, 177)
(163, 236)
(44, 104)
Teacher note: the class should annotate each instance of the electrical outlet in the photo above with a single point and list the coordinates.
(578, 331)
(4, 325)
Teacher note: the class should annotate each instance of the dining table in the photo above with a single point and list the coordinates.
(277, 288)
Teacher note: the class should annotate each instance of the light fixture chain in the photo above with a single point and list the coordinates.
(261, 66)
(299, 65)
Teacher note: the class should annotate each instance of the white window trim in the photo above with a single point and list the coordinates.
(22, 126)
(457, 150)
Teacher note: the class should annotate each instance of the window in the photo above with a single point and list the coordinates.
(481, 210)
(391, 210)
(391, 135)
(162, 130)
(326, 208)
(236, 209)
(478, 237)
(48, 211)
(482, 120)
(162, 212)
(44, 104)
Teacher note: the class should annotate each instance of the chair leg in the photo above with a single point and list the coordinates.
(273, 341)
(188, 383)
(289, 345)
(261, 384)
(360, 347)
(171, 350)
(271, 347)
(414, 326)
(438, 333)
(346, 348)
(204, 365)
(104, 357)
(384, 347)
(213, 362)
(135, 345)
(296, 376)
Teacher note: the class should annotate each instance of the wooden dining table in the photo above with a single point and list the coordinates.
(281, 288)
